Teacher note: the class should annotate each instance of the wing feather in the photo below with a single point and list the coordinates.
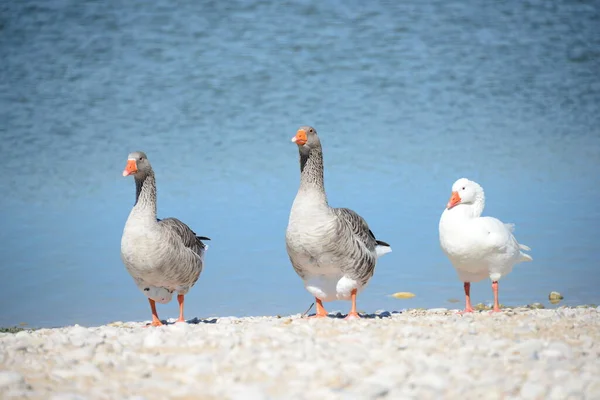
(185, 234)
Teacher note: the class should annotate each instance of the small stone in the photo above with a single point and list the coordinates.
(10, 378)
(63, 373)
(78, 354)
(17, 394)
(22, 334)
(558, 393)
(89, 370)
(531, 390)
(153, 339)
(246, 392)
(528, 349)
(558, 350)
(67, 396)
(373, 390)
(425, 393)
(593, 390)
(436, 381)
(430, 381)
(536, 306)
(438, 310)
(481, 307)
(555, 296)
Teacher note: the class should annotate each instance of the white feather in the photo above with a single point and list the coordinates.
(381, 250)
(478, 247)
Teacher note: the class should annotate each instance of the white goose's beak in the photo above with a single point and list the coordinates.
(454, 200)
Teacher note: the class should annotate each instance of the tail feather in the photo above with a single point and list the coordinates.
(510, 227)
(382, 248)
(525, 257)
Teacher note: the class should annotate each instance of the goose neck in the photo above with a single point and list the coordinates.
(145, 195)
(311, 173)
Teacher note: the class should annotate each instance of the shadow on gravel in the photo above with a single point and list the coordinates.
(193, 321)
(338, 315)
(197, 320)
(384, 314)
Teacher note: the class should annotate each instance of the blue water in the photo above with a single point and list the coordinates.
(406, 96)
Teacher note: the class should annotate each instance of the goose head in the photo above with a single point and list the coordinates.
(306, 138)
(137, 165)
(466, 193)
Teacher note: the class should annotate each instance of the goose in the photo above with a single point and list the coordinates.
(161, 255)
(478, 247)
(331, 249)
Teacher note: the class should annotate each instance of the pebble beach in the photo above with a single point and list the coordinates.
(520, 353)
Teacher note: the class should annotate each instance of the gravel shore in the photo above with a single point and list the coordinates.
(420, 354)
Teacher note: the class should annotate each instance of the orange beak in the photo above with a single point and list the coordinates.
(130, 168)
(454, 200)
(300, 138)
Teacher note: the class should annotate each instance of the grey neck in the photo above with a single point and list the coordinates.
(145, 194)
(311, 172)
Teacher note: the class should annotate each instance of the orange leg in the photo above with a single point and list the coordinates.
(321, 313)
(155, 319)
(353, 314)
(496, 303)
(180, 301)
(468, 306)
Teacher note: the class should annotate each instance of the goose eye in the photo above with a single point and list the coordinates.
(141, 160)
(463, 188)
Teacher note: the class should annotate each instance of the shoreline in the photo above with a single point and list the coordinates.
(520, 353)
(479, 309)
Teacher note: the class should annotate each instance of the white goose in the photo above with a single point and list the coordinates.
(332, 249)
(478, 247)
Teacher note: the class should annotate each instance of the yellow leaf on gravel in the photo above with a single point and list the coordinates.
(403, 295)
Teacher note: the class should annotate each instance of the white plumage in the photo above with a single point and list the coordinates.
(478, 247)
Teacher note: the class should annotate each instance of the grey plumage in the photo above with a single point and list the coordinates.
(357, 242)
(162, 255)
(332, 249)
